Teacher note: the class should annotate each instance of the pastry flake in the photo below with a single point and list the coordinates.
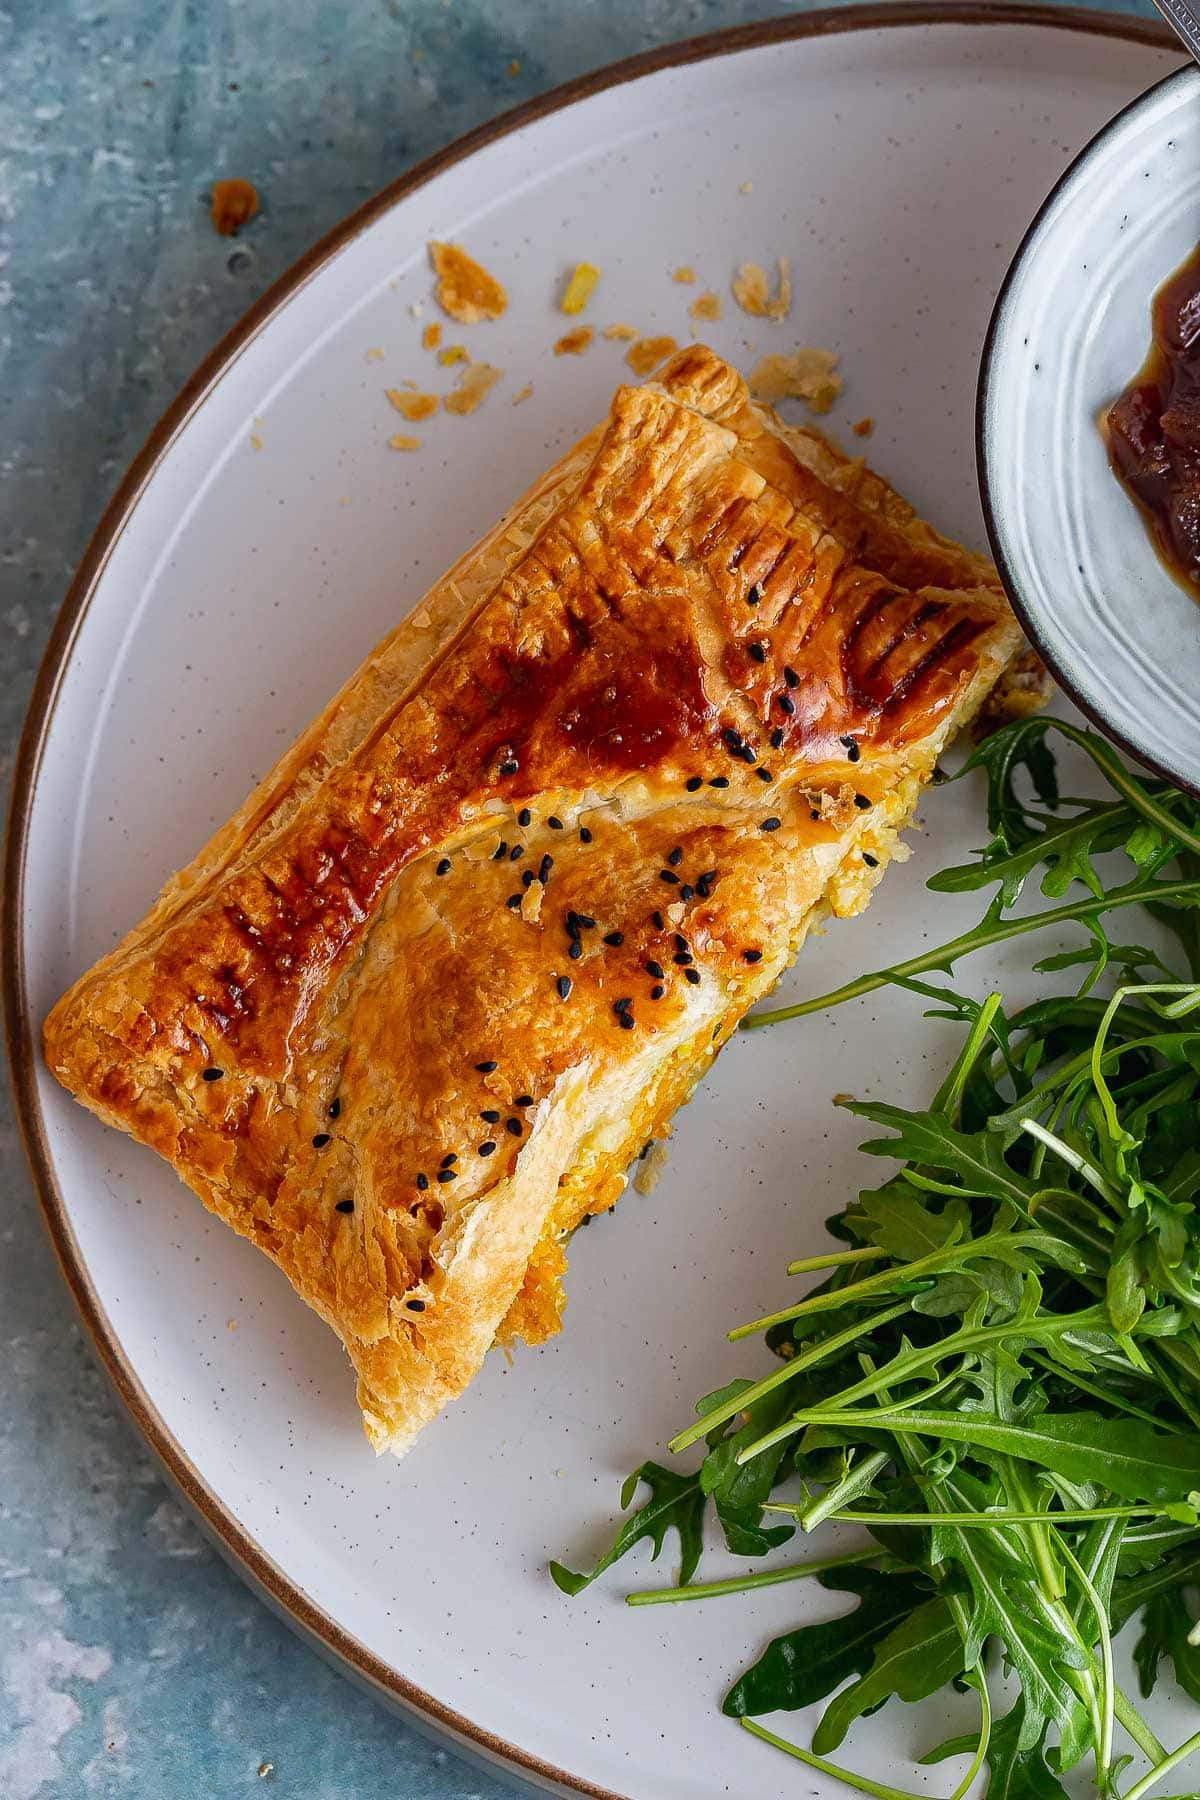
(700, 664)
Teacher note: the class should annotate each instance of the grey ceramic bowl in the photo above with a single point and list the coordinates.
(1071, 327)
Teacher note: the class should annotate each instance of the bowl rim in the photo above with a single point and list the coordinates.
(1187, 74)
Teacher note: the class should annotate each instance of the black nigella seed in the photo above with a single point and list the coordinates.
(213, 1074)
(732, 739)
(344, 1206)
(527, 878)
(554, 823)
(771, 824)
(445, 1175)
(586, 920)
(693, 783)
(692, 975)
(751, 956)
(872, 862)
(443, 867)
(516, 853)
(623, 1005)
(486, 1068)
(706, 884)
(758, 652)
(681, 942)
(655, 969)
(486, 1149)
(514, 1127)
(585, 836)
(572, 924)
(544, 868)
(852, 750)
(686, 891)
(861, 801)
(491, 1116)
(513, 901)
(814, 815)
(615, 938)
(575, 950)
(658, 921)
(656, 993)
(777, 738)
(669, 876)
(415, 1305)
(683, 957)
(676, 856)
(753, 595)
(764, 774)
(626, 1021)
(785, 704)
(322, 1138)
(523, 817)
(500, 852)
(747, 754)
(523, 1100)
(335, 1107)
(451, 1156)
(564, 985)
(791, 677)
(422, 1183)
(719, 781)
(509, 767)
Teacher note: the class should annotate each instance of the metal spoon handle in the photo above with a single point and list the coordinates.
(1184, 16)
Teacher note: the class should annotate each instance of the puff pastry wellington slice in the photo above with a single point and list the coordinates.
(412, 1012)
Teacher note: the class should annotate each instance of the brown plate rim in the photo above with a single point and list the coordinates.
(235, 1543)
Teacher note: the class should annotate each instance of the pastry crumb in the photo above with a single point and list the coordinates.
(413, 406)
(863, 427)
(431, 337)
(234, 204)
(531, 902)
(474, 385)
(375, 353)
(745, 187)
(843, 1099)
(752, 291)
(231, 1324)
(648, 352)
(265, 1769)
(806, 375)
(675, 911)
(514, 67)
(522, 393)
(580, 288)
(256, 442)
(684, 274)
(574, 343)
(650, 1168)
(402, 441)
(707, 307)
(465, 290)
(416, 308)
(453, 353)
(624, 334)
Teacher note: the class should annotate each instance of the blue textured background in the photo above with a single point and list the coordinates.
(132, 1663)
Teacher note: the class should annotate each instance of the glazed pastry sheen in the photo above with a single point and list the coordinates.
(408, 1017)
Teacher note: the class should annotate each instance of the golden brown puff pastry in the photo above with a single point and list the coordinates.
(409, 1016)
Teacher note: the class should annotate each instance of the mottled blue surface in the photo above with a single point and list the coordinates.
(132, 1663)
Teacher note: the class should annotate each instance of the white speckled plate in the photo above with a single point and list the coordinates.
(896, 159)
(1071, 328)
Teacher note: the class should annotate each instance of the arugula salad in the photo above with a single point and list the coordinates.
(997, 1378)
